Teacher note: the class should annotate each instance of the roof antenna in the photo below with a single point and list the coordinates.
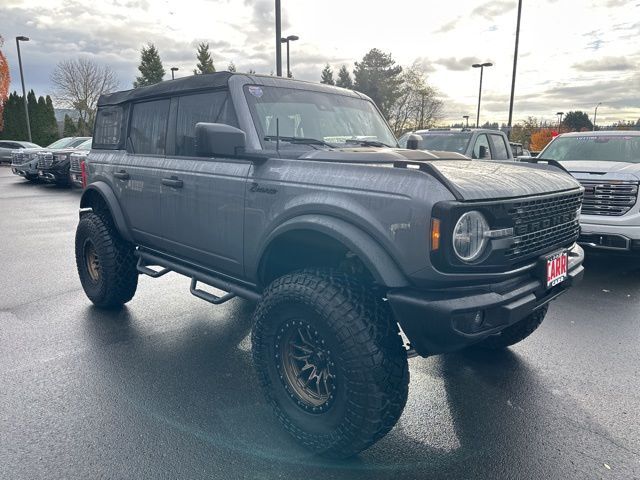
(277, 134)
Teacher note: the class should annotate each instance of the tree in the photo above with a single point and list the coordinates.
(251, 71)
(378, 76)
(417, 105)
(522, 131)
(344, 78)
(51, 132)
(327, 75)
(5, 80)
(151, 69)
(205, 63)
(540, 139)
(69, 129)
(232, 67)
(577, 122)
(79, 83)
(83, 129)
(15, 123)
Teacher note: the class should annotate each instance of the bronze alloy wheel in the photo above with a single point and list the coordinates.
(305, 366)
(91, 260)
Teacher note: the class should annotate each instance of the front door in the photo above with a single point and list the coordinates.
(203, 198)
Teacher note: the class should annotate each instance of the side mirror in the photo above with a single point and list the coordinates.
(482, 151)
(413, 141)
(219, 139)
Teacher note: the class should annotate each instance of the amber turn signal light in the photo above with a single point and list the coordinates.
(435, 234)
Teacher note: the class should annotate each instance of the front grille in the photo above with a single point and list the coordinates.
(17, 158)
(45, 160)
(542, 224)
(74, 163)
(612, 198)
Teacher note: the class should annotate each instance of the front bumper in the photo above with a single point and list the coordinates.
(76, 177)
(55, 174)
(439, 321)
(26, 169)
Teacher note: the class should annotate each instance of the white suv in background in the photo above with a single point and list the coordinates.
(607, 164)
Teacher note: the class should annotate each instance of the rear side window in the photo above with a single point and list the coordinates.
(148, 130)
(108, 128)
(500, 147)
(210, 107)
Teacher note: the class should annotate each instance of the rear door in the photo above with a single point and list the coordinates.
(137, 175)
(203, 198)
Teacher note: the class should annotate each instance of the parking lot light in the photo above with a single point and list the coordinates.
(595, 115)
(173, 70)
(559, 114)
(19, 39)
(481, 67)
(287, 40)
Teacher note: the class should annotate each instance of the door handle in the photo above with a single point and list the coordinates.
(174, 182)
(121, 174)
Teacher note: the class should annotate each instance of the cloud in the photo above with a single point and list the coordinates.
(424, 64)
(447, 27)
(493, 8)
(605, 64)
(458, 64)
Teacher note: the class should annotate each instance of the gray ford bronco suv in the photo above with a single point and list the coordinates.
(294, 195)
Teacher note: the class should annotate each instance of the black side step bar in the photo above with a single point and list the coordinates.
(146, 258)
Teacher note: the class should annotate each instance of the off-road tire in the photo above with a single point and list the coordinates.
(117, 277)
(516, 332)
(371, 369)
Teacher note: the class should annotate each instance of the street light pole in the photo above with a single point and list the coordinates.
(515, 65)
(595, 115)
(24, 93)
(481, 67)
(173, 70)
(287, 40)
(278, 40)
(560, 114)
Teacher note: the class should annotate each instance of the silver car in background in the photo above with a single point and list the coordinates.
(607, 164)
(8, 146)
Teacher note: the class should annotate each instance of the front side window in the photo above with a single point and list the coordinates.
(500, 147)
(325, 117)
(478, 151)
(148, 130)
(62, 143)
(611, 148)
(210, 107)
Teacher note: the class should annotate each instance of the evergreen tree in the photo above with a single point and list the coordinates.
(83, 129)
(37, 118)
(205, 63)
(150, 67)
(344, 78)
(577, 122)
(378, 76)
(69, 129)
(15, 125)
(51, 122)
(251, 71)
(232, 67)
(32, 107)
(327, 75)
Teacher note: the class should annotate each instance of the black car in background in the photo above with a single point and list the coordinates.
(53, 165)
(477, 143)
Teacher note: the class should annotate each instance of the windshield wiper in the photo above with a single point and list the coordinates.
(299, 140)
(367, 143)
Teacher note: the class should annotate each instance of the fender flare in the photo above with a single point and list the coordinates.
(106, 193)
(384, 269)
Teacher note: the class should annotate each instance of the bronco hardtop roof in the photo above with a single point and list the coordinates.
(207, 81)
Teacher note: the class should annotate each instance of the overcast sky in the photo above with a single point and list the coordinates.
(573, 53)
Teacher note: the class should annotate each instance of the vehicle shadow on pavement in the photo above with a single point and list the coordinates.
(473, 414)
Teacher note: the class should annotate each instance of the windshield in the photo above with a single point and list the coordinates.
(611, 148)
(62, 143)
(306, 115)
(86, 145)
(448, 142)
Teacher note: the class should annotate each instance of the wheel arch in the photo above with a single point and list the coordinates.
(99, 196)
(336, 234)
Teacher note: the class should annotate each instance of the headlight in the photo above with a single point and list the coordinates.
(470, 236)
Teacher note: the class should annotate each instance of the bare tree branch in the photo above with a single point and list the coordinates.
(79, 83)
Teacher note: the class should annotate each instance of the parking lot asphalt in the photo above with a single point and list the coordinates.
(165, 387)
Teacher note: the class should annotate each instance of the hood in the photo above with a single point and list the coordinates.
(486, 180)
(28, 150)
(473, 179)
(602, 169)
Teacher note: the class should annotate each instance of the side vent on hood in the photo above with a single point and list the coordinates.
(433, 171)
